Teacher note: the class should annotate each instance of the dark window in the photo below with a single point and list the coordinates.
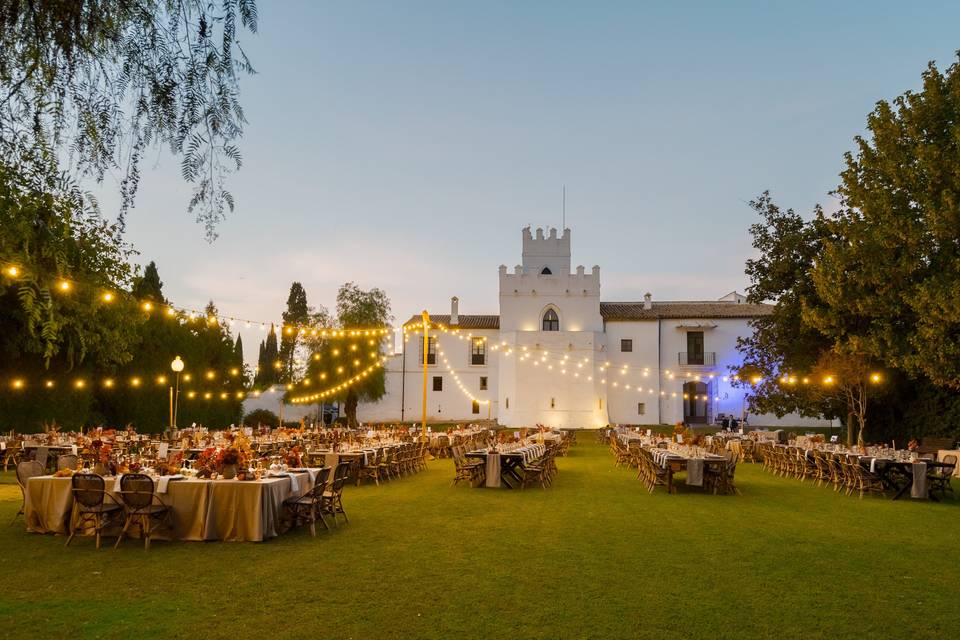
(694, 347)
(546, 271)
(551, 321)
(626, 345)
(641, 408)
(475, 407)
(431, 350)
(483, 383)
(508, 402)
(478, 351)
(438, 383)
(553, 403)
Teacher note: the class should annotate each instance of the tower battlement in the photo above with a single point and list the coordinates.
(546, 250)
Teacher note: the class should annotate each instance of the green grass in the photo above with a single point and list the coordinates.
(595, 556)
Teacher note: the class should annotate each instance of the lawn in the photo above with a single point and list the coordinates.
(594, 556)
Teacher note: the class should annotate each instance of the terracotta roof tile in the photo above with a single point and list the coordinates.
(466, 321)
(612, 311)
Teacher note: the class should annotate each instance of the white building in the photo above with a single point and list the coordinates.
(558, 356)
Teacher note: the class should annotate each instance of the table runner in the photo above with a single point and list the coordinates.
(695, 472)
(919, 487)
(493, 470)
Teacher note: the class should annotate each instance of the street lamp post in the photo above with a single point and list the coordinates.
(177, 367)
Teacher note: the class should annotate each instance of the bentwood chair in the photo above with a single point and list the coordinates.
(333, 496)
(371, 470)
(142, 507)
(93, 507)
(11, 455)
(309, 507)
(26, 470)
(939, 477)
(465, 469)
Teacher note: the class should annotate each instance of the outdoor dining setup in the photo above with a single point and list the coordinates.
(874, 469)
(246, 484)
(658, 458)
(512, 462)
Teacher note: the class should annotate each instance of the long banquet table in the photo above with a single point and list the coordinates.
(231, 510)
(693, 464)
(502, 466)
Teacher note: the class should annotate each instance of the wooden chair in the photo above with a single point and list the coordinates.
(67, 461)
(371, 470)
(864, 481)
(142, 507)
(332, 502)
(309, 507)
(93, 507)
(11, 455)
(26, 469)
(938, 478)
(473, 471)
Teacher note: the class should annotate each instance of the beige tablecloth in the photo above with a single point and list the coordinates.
(232, 510)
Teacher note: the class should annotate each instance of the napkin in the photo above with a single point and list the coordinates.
(165, 480)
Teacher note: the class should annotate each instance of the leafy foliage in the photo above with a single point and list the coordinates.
(49, 229)
(267, 369)
(334, 361)
(890, 272)
(100, 81)
(296, 316)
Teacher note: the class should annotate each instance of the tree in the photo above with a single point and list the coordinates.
(267, 365)
(849, 376)
(51, 234)
(890, 273)
(790, 364)
(337, 361)
(101, 81)
(294, 318)
(148, 286)
(781, 343)
(238, 351)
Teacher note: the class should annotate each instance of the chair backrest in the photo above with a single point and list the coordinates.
(66, 461)
(320, 483)
(136, 490)
(28, 469)
(40, 455)
(951, 461)
(88, 489)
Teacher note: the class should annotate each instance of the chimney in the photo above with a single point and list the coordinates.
(647, 304)
(454, 310)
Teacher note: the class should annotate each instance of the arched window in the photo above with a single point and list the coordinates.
(546, 271)
(551, 321)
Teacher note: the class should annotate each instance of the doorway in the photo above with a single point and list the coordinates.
(695, 401)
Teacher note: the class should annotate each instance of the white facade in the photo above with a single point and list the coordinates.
(558, 356)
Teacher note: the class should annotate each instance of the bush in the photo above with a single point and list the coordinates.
(261, 416)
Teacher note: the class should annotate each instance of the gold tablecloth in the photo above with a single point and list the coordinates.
(232, 510)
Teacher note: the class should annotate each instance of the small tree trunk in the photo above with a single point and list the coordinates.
(350, 408)
(849, 428)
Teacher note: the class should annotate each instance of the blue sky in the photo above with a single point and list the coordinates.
(405, 144)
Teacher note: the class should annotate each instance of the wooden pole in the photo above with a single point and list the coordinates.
(426, 357)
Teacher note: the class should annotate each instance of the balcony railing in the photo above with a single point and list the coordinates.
(697, 359)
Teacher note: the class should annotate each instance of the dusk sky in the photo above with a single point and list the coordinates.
(404, 145)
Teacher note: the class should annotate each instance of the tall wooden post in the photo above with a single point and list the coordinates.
(426, 358)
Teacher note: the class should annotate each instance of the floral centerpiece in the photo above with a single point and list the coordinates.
(294, 457)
